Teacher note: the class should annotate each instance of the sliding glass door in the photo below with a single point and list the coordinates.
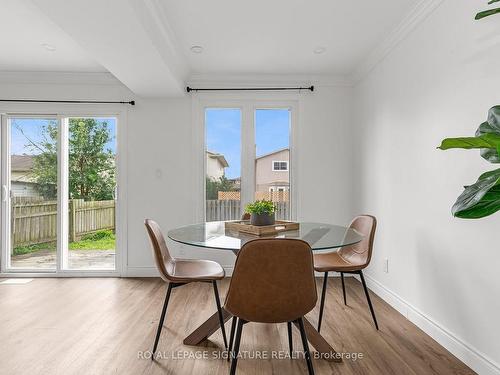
(31, 198)
(58, 193)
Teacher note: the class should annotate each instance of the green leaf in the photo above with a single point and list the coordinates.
(484, 141)
(493, 1)
(487, 13)
(480, 199)
(487, 138)
(492, 126)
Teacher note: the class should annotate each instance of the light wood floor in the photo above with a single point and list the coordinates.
(98, 326)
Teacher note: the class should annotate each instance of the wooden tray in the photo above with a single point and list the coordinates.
(245, 227)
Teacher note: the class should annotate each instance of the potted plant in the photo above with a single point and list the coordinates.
(261, 212)
(482, 198)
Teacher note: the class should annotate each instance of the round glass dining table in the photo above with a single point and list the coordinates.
(215, 235)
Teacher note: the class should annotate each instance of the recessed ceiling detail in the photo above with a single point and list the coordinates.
(26, 35)
(278, 37)
(196, 49)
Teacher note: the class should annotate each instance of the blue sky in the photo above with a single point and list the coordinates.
(32, 128)
(223, 134)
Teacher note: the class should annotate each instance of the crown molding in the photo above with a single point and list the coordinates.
(255, 80)
(416, 16)
(59, 78)
(163, 36)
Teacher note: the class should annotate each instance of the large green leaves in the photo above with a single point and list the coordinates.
(487, 138)
(480, 199)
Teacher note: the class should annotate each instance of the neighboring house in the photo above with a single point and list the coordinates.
(22, 181)
(216, 164)
(236, 183)
(272, 171)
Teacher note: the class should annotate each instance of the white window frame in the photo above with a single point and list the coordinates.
(60, 112)
(280, 170)
(248, 104)
(276, 189)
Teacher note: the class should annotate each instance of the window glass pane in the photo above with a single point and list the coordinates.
(272, 139)
(92, 193)
(33, 194)
(223, 164)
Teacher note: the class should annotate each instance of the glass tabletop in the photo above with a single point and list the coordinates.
(214, 235)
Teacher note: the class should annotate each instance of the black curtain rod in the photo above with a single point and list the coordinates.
(132, 102)
(310, 88)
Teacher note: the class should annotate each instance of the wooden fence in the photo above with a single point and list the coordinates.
(220, 210)
(34, 220)
(275, 196)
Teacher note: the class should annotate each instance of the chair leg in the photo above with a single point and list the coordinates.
(368, 298)
(322, 304)
(290, 338)
(231, 337)
(234, 355)
(219, 310)
(307, 353)
(343, 287)
(162, 318)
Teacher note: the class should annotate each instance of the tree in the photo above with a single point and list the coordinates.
(213, 186)
(91, 161)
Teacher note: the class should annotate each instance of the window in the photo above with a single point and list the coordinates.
(280, 166)
(60, 182)
(222, 164)
(278, 188)
(272, 139)
(247, 158)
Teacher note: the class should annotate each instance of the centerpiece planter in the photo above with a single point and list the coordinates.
(262, 219)
(261, 213)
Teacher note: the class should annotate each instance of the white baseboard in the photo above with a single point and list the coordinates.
(463, 351)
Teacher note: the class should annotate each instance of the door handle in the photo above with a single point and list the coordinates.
(4, 193)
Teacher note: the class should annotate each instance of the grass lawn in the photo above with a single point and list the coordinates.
(101, 240)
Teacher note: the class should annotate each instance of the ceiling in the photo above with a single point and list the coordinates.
(24, 30)
(146, 43)
(279, 36)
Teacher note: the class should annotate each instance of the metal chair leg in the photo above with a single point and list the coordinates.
(290, 338)
(219, 311)
(234, 360)
(343, 287)
(368, 298)
(307, 353)
(162, 318)
(231, 337)
(322, 304)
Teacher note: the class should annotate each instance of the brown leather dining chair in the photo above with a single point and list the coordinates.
(178, 272)
(272, 282)
(349, 259)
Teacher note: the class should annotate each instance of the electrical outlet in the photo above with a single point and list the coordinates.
(386, 265)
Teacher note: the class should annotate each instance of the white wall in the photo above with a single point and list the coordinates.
(160, 138)
(161, 177)
(443, 272)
